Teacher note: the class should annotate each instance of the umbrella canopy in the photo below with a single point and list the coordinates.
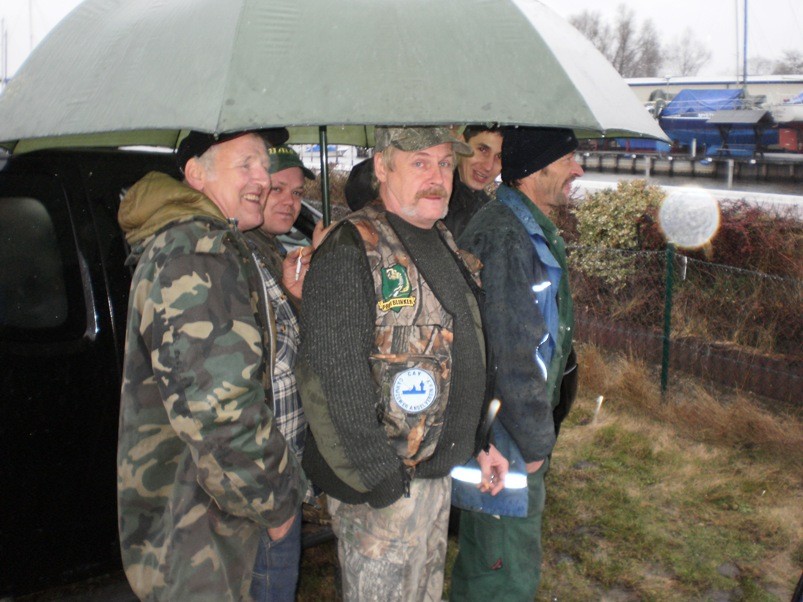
(118, 72)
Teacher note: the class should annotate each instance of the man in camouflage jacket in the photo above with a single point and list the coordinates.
(392, 372)
(202, 469)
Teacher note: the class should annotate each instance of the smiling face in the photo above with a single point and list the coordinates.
(234, 175)
(284, 200)
(417, 185)
(482, 168)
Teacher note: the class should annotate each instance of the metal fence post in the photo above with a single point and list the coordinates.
(670, 278)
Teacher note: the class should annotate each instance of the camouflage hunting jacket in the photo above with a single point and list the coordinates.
(412, 360)
(201, 466)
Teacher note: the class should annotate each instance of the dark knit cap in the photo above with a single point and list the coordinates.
(525, 150)
(360, 189)
(197, 143)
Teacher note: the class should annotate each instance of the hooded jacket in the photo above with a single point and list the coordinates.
(201, 467)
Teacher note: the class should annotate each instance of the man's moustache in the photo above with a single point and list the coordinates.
(430, 192)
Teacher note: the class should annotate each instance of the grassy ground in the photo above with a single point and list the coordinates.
(693, 498)
(696, 497)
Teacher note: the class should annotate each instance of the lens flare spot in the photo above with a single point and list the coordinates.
(689, 217)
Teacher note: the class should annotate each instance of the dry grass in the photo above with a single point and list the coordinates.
(337, 183)
(722, 418)
(695, 497)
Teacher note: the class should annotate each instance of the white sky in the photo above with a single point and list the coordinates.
(773, 25)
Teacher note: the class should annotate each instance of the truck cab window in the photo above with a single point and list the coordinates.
(32, 289)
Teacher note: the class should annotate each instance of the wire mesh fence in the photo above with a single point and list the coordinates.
(733, 326)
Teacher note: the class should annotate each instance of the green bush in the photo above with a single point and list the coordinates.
(742, 288)
(622, 219)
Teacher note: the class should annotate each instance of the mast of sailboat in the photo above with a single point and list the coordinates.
(30, 24)
(736, 47)
(744, 52)
(3, 53)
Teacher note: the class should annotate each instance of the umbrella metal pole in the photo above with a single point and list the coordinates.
(325, 207)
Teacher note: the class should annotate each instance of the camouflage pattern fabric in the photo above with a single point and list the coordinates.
(418, 138)
(395, 553)
(413, 341)
(201, 467)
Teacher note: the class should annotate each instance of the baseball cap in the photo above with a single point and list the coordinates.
(417, 138)
(283, 157)
(197, 143)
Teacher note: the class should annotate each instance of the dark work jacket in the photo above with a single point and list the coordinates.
(515, 326)
(463, 205)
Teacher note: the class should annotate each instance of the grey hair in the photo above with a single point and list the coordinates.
(207, 160)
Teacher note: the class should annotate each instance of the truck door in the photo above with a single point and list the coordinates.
(58, 377)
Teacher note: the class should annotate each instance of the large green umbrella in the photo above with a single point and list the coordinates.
(139, 71)
(133, 72)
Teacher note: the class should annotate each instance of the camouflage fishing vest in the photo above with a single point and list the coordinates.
(412, 358)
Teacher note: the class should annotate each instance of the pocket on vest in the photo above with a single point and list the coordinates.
(414, 389)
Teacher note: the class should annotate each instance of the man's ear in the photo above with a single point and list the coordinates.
(195, 173)
(380, 171)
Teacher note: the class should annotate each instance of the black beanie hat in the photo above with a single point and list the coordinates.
(525, 150)
(197, 143)
(360, 189)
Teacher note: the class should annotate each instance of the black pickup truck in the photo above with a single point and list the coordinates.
(63, 301)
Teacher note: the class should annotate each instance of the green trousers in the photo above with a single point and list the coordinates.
(500, 557)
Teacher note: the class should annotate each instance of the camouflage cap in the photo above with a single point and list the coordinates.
(283, 157)
(417, 138)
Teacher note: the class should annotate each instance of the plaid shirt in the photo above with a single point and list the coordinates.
(289, 415)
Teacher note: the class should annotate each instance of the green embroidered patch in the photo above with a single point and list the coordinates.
(396, 289)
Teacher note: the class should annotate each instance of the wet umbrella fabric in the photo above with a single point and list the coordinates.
(117, 72)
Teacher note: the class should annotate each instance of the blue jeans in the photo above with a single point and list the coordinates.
(276, 566)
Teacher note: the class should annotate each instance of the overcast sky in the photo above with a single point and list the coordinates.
(773, 25)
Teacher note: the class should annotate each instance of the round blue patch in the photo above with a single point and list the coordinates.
(414, 390)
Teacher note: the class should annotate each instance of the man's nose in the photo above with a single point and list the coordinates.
(436, 174)
(577, 170)
(261, 174)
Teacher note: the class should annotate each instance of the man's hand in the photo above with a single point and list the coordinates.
(277, 533)
(494, 467)
(294, 269)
